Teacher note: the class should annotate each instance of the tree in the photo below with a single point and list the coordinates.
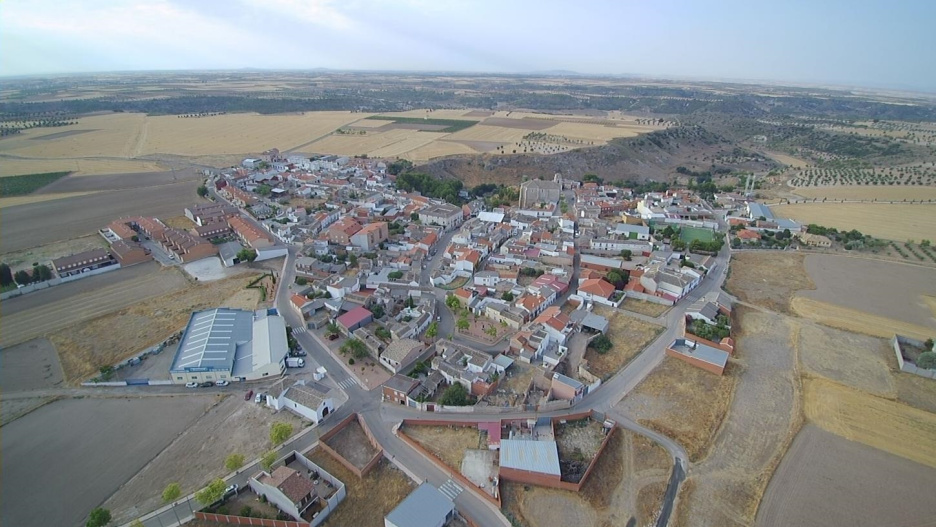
(601, 344)
(234, 461)
(356, 347)
(332, 329)
(395, 275)
(99, 517)
(383, 334)
(300, 280)
(22, 277)
(6, 275)
(212, 493)
(377, 310)
(451, 301)
(928, 344)
(202, 191)
(170, 494)
(433, 330)
(927, 360)
(414, 216)
(352, 260)
(267, 460)
(264, 190)
(247, 255)
(41, 273)
(508, 296)
(626, 254)
(280, 432)
(454, 395)
(462, 324)
(617, 278)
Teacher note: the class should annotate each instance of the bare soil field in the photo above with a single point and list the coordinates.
(13, 409)
(37, 224)
(111, 338)
(32, 365)
(786, 159)
(627, 483)
(448, 443)
(871, 487)
(643, 307)
(107, 182)
(351, 443)
(915, 391)
(147, 425)
(865, 192)
(38, 198)
(767, 279)
(441, 148)
(896, 291)
(887, 425)
(896, 221)
(376, 144)
(15, 166)
(521, 123)
(629, 335)
(25, 258)
(196, 456)
(763, 418)
(856, 321)
(369, 499)
(849, 358)
(45, 312)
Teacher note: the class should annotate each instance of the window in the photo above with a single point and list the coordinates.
(178, 378)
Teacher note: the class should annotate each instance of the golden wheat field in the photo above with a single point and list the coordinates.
(591, 132)
(78, 167)
(483, 132)
(887, 221)
(439, 149)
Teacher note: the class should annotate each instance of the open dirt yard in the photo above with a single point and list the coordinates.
(629, 336)
(887, 425)
(111, 338)
(860, 192)
(448, 443)
(859, 361)
(44, 312)
(351, 443)
(45, 222)
(626, 484)
(25, 258)
(12, 166)
(513, 385)
(827, 481)
(896, 221)
(763, 418)
(768, 279)
(197, 455)
(117, 437)
(897, 291)
(651, 309)
(32, 365)
(369, 499)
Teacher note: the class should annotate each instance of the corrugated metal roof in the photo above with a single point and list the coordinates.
(424, 507)
(532, 456)
(211, 338)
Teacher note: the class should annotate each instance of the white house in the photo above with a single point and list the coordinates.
(344, 287)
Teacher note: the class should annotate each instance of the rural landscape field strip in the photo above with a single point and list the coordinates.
(30, 323)
(877, 219)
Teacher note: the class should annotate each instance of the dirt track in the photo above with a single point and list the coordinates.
(826, 480)
(46, 481)
(64, 305)
(45, 222)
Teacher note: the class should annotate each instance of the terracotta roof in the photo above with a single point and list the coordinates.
(291, 483)
(597, 287)
(746, 234)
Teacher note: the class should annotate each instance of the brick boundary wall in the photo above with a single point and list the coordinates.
(692, 336)
(243, 520)
(707, 366)
(370, 465)
(445, 468)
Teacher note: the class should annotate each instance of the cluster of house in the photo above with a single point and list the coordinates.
(702, 353)
(756, 219)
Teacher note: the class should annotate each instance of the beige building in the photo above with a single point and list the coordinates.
(537, 191)
(814, 240)
(448, 216)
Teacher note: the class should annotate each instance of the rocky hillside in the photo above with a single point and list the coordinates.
(653, 156)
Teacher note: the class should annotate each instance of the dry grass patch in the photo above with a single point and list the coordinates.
(916, 391)
(860, 192)
(856, 321)
(855, 360)
(27, 257)
(887, 425)
(448, 443)
(887, 221)
(786, 159)
(681, 516)
(629, 336)
(109, 339)
(649, 502)
(650, 309)
(649, 455)
(696, 402)
(369, 499)
(179, 222)
(38, 198)
(78, 166)
(768, 279)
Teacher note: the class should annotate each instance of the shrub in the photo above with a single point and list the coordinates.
(455, 395)
(927, 360)
(601, 344)
(98, 518)
(351, 361)
(246, 511)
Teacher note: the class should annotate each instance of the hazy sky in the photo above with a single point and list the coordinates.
(868, 43)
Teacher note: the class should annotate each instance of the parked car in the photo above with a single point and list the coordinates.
(259, 398)
(230, 491)
(206, 384)
(221, 383)
(191, 385)
(248, 395)
(298, 353)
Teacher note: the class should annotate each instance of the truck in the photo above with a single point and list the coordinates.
(295, 362)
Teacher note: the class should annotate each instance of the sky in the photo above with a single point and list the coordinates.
(850, 43)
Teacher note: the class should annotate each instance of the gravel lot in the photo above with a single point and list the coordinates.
(75, 453)
(827, 481)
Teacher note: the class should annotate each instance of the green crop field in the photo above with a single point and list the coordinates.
(28, 183)
(690, 234)
(453, 125)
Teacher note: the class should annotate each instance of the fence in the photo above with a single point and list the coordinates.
(909, 367)
(243, 520)
(358, 471)
(56, 281)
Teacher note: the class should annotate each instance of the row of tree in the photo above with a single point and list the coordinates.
(40, 273)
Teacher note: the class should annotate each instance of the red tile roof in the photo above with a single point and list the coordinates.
(597, 287)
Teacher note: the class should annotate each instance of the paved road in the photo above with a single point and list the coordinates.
(382, 419)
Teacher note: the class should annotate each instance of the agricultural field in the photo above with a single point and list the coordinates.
(629, 336)
(898, 221)
(786, 159)
(39, 198)
(147, 425)
(32, 365)
(871, 486)
(84, 348)
(77, 166)
(862, 192)
(915, 175)
(768, 280)
(370, 498)
(27, 257)
(627, 483)
(27, 183)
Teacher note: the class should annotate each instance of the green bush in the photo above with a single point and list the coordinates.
(601, 344)
(927, 360)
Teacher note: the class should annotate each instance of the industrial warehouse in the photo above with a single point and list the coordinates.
(230, 344)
